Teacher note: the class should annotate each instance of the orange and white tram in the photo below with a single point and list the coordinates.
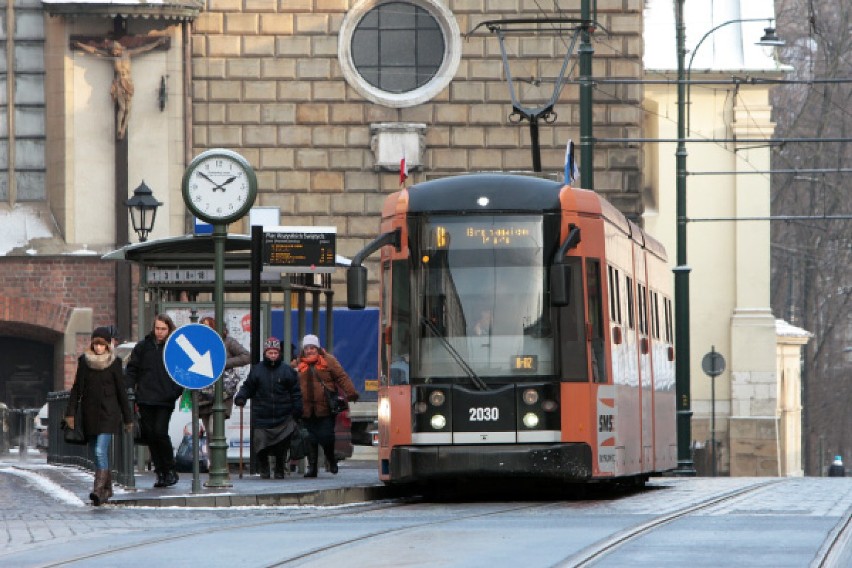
(526, 331)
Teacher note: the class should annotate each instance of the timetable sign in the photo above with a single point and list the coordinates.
(305, 247)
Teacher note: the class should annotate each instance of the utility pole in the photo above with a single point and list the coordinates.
(587, 178)
(683, 405)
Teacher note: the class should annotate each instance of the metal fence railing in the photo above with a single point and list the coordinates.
(58, 452)
(17, 429)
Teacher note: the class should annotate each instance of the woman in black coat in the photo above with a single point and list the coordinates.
(276, 404)
(99, 390)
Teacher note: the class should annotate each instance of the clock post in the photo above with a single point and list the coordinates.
(219, 187)
(218, 445)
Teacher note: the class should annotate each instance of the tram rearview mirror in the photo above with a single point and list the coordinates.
(560, 285)
(356, 287)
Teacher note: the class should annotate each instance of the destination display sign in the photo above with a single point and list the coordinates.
(306, 247)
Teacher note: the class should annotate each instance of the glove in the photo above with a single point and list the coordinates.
(354, 397)
(240, 401)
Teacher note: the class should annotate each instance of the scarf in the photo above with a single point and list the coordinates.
(318, 360)
(99, 362)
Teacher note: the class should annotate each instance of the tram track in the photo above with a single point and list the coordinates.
(597, 551)
(835, 551)
(233, 529)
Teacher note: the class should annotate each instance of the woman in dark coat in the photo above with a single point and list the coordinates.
(276, 404)
(99, 389)
(319, 371)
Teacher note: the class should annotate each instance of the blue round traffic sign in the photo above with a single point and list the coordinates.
(194, 356)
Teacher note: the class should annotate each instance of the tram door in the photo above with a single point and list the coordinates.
(26, 372)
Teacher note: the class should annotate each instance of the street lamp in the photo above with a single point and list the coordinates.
(143, 211)
(683, 405)
(769, 39)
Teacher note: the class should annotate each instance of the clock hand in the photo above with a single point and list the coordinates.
(226, 182)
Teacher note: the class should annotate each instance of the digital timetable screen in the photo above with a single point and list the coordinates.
(309, 247)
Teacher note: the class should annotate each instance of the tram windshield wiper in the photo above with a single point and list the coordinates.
(474, 378)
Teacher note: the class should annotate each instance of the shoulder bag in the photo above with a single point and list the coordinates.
(76, 435)
(336, 401)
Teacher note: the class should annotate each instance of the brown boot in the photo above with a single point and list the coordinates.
(98, 494)
(108, 485)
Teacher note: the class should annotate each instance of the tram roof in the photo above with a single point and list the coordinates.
(505, 192)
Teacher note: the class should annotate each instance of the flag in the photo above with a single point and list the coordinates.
(572, 171)
(403, 170)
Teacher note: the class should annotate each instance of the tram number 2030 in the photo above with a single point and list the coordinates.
(484, 414)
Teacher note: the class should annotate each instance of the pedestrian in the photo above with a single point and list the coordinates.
(156, 394)
(100, 390)
(276, 405)
(836, 468)
(236, 356)
(319, 372)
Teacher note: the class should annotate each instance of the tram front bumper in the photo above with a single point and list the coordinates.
(567, 462)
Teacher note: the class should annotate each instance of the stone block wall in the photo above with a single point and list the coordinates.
(267, 82)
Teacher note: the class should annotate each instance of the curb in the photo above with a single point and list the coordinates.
(319, 497)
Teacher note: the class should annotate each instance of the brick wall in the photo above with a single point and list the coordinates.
(65, 282)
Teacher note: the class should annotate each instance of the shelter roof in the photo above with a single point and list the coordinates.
(167, 9)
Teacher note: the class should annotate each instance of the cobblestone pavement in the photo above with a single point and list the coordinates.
(42, 505)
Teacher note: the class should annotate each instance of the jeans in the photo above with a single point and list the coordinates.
(100, 446)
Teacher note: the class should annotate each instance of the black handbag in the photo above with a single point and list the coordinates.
(138, 439)
(75, 435)
(298, 443)
(336, 401)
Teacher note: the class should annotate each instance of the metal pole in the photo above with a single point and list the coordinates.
(587, 179)
(681, 271)
(217, 446)
(196, 443)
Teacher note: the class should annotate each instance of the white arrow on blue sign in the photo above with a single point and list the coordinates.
(194, 356)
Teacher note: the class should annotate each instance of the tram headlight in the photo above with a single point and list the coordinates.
(420, 407)
(530, 396)
(437, 398)
(438, 422)
(530, 420)
(549, 405)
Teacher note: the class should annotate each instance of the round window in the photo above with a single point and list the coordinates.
(399, 53)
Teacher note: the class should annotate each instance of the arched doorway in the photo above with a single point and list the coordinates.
(26, 372)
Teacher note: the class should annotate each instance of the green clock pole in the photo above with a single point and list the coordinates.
(217, 445)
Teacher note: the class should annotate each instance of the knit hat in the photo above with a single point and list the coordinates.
(272, 343)
(310, 340)
(102, 333)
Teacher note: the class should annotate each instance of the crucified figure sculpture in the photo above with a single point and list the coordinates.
(122, 83)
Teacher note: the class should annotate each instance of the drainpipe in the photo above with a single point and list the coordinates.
(10, 98)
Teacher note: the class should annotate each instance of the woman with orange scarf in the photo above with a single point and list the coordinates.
(319, 372)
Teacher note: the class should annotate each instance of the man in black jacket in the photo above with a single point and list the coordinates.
(276, 404)
(156, 394)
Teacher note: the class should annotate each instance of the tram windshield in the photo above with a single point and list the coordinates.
(479, 297)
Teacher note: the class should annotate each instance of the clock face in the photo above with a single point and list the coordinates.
(219, 187)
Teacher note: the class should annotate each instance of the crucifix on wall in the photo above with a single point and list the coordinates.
(120, 50)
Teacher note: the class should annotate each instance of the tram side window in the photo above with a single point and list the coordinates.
(641, 306)
(630, 316)
(614, 295)
(595, 306)
(655, 315)
(572, 344)
(400, 324)
(667, 304)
